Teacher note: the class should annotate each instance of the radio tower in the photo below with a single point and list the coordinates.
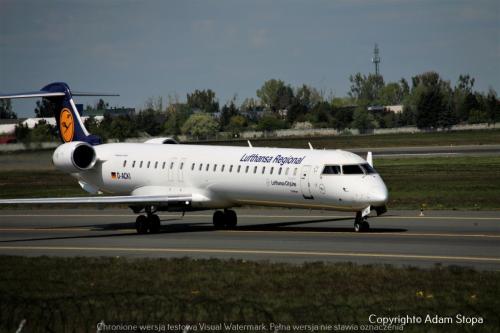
(376, 59)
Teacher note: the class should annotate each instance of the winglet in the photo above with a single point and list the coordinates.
(369, 158)
(249, 144)
(310, 146)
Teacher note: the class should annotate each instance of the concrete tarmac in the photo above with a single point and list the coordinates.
(283, 235)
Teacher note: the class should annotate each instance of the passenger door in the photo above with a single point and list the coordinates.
(305, 185)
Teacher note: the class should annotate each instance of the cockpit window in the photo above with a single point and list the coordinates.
(331, 170)
(353, 169)
(368, 168)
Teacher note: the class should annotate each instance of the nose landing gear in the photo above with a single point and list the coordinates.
(360, 223)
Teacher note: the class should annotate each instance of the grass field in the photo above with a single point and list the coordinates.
(61, 294)
(476, 137)
(437, 183)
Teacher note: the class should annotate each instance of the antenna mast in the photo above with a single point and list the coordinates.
(376, 59)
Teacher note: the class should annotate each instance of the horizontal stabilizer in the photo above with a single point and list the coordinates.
(33, 94)
(38, 94)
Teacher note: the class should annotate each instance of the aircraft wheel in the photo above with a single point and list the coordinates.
(357, 226)
(365, 226)
(154, 224)
(141, 224)
(218, 219)
(231, 218)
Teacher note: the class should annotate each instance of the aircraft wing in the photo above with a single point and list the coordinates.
(126, 199)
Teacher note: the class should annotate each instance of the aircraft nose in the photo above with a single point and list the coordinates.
(379, 195)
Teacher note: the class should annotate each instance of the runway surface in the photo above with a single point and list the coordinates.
(400, 237)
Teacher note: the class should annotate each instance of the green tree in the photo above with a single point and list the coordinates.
(275, 95)
(44, 108)
(101, 105)
(6, 110)
(236, 124)
(200, 125)
(391, 94)
(228, 111)
(366, 89)
(22, 133)
(430, 103)
(270, 122)
(122, 127)
(149, 121)
(177, 114)
(43, 132)
(362, 120)
(203, 100)
(492, 106)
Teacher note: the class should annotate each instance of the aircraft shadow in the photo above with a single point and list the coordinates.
(291, 226)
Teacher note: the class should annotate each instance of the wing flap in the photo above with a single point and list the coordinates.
(127, 199)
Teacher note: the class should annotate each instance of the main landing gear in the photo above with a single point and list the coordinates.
(226, 218)
(149, 223)
(360, 223)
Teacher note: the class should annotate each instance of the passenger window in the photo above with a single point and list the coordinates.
(163, 165)
(182, 166)
(263, 169)
(140, 165)
(156, 165)
(271, 172)
(255, 169)
(239, 168)
(133, 164)
(192, 167)
(231, 168)
(353, 169)
(368, 168)
(286, 172)
(149, 163)
(215, 167)
(331, 170)
(201, 167)
(279, 171)
(171, 165)
(207, 167)
(222, 169)
(295, 172)
(124, 163)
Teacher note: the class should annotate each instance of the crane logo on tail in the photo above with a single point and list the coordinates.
(66, 125)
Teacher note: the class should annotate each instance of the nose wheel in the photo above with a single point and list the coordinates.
(360, 223)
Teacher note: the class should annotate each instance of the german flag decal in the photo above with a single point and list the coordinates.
(113, 175)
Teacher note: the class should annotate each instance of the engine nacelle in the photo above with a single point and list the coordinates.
(162, 141)
(74, 157)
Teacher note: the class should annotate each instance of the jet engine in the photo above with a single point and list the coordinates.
(74, 157)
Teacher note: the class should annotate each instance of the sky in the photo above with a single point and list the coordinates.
(143, 49)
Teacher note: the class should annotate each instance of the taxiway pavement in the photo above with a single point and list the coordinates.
(400, 237)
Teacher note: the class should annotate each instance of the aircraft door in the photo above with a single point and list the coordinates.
(182, 166)
(172, 168)
(305, 185)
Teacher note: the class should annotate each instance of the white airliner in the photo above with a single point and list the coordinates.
(162, 175)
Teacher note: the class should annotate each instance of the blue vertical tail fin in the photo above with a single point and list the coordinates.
(68, 119)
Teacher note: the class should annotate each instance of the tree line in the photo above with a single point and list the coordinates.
(429, 102)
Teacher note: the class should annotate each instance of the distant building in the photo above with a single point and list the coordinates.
(386, 108)
(113, 112)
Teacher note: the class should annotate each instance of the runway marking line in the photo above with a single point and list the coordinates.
(319, 233)
(274, 231)
(263, 216)
(267, 252)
